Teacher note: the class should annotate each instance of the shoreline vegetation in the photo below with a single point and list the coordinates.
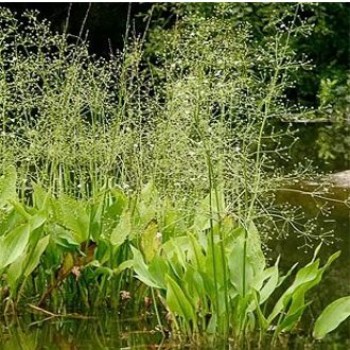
(152, 184)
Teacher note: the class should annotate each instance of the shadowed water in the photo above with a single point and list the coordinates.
(110, 332)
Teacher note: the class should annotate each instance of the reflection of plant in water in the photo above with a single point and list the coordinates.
(106, 331)
(334, 140)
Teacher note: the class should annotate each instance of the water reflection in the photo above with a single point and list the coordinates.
(330, 209)
(329, 206)
(107, 332)
(33, 332)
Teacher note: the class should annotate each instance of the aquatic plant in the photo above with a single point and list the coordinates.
(207, 270)
(230, 291)
(82, 136)
(73, 123)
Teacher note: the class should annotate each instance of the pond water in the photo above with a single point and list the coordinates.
(330, 209)
(31, 332)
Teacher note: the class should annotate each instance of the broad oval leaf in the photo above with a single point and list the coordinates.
(150, 240)
(177, 301)
(34, 258)
(211, 207)
(74, 215)
(13, 245)
(122, 231)
(38, 220)
(141, 270)
(331, 317)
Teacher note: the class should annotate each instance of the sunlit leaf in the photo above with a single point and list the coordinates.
(13, 244)
(67, 266)
(212, 207)
(41, 197)
(141, 270)
(73, 215)
(331, 317)
(177, 301)
(150, 240)
(8, 186)
(37, 220)
(34, 257)
(272, 277)
(122, 231)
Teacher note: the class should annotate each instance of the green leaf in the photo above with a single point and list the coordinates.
(122, 231)
(10, 221)
(63, 237)
(198, 258)
(127, 264)
(116, 205)
(103, 270)
(212, 207)
(172, 224)
(141, 270)
(271, 284)
(265, 284)
(146, 206)
(147, 193)
(8, 186)
(195, 287)
(73, 215)
(176, 249)
(212, 325)
(150, 242)
(38, 220)
(332, 316)
(216, 264)
(305, 276)
(292, 318)
(177, 301)
(241, 271)
(41, 197)
(159, 268)
(36, 255)
(254, 251)
(20, 209)
(14, 273)
(13, 244)
(263, 322)
(96, 209)
(246, 260)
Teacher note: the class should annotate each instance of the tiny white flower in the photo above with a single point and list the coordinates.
(159, 236)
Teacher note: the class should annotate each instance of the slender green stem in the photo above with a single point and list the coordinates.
(157, 311)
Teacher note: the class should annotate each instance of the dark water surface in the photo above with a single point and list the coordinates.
(110, 332)
(330, 210)
(329, 207)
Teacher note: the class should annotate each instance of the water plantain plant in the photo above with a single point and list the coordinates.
(60, 233)
(232, 290)
(205, 269)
